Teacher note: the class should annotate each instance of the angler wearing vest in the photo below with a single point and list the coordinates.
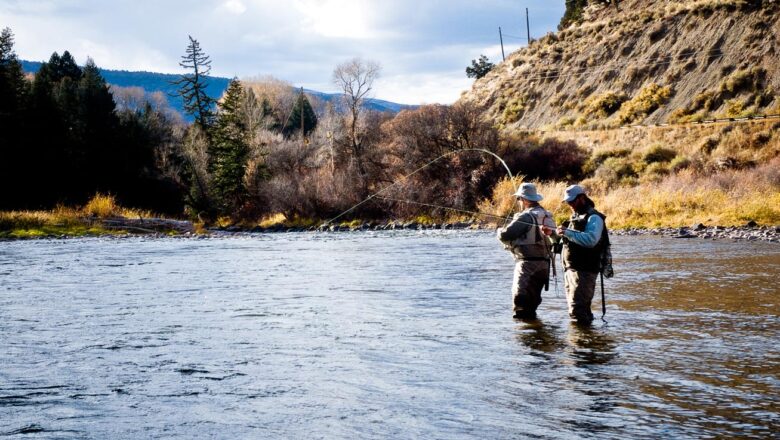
(584, 242)
(531, 250)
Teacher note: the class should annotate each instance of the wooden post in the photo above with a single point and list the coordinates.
(501, 37)
(527, 27)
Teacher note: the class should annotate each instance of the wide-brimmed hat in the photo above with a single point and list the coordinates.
(572, 192)
(528, 191)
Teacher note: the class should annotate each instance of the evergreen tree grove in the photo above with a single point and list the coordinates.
(62, 139)
(14, 90)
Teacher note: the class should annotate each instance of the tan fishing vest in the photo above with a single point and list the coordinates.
(534, 245)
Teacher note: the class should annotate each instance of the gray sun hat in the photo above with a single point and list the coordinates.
(572, 192)
(528, 191)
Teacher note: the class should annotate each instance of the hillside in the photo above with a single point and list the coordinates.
(162, 82)
(624, 86)
(647, 62)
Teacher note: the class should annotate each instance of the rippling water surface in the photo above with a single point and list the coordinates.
(380, 335)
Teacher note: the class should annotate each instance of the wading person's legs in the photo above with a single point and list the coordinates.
(580, 287)
(529, 280)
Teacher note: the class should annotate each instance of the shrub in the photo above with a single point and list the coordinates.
(760, 139)
(617, 171)
(743, 80)
(604, 105)
(658, 154)
(706, 100)
(102, 206)
(734, 108)
(657, 32)
(598, 158)
(553, 159)
(657, 168)
(679, 163)
(565, 121)
(646, 102)
(514, 110)
(709, 144)
(584, 91)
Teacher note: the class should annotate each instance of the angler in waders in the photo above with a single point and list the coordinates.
(531, 250)
(585, 242)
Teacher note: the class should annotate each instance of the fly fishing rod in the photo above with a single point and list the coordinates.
(424, 166)
(462, 211)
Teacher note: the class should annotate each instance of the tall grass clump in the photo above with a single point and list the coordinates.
(102, 206)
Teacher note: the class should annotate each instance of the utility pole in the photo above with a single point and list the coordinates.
(501, 37)
(527, 27)
(303, 132)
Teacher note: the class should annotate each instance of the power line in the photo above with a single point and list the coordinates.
(668, 124)
(601, 68)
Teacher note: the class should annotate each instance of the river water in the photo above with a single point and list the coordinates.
(380, 335)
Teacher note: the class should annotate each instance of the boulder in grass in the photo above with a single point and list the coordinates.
(751, 224)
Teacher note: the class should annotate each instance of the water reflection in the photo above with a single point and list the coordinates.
(590, 345)
(582, 345)
(539, 337)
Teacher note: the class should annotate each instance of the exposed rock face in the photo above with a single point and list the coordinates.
(648, 62)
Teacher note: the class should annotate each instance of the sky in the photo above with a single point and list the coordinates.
(423, 46)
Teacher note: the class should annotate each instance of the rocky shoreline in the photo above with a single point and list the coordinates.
(184, 229)
(749, 232)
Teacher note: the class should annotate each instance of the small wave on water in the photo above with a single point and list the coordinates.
(380, 334)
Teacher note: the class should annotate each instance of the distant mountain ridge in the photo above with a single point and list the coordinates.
(162, 82)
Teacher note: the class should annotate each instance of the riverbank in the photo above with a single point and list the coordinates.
(64, 223)
(186, 229)
(101, 216)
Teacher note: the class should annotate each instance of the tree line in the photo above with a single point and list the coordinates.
(262, 148)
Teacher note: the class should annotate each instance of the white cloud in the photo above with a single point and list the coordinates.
(423, 88)
(128, 58)
(423, 45)
(235, 7)
(335, 18)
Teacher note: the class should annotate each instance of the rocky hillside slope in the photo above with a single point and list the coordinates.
(646, 62)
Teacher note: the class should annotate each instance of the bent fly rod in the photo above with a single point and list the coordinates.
(424, 166)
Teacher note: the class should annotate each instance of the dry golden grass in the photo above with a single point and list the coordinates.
(102, 206)
(503, 202)
(66, 221)
(282, 221)
(105, 206)
(728, 198)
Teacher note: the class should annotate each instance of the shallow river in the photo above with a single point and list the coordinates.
(380, 335)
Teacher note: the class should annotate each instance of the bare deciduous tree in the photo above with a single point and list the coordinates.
(355, 78)
(279, 94)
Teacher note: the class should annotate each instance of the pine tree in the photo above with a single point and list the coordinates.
(14, 92)
(192, 86)
(480, 68)
(573, 13)
(106, 166)
(229, 151)
(302, 117)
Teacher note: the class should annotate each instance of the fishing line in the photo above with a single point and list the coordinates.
(464, 211)
(426, 165)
